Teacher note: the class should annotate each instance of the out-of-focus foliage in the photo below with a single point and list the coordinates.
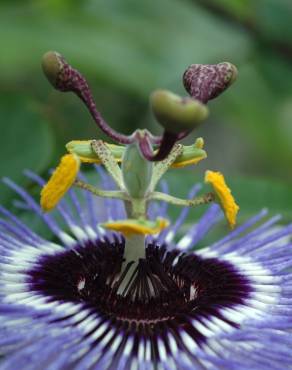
(25, 138)
(128, 48)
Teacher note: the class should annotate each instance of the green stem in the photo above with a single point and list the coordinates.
(102, 193)
(108, 160)
(205, 199)
(134, 250)
(138, 208)
(161, 167)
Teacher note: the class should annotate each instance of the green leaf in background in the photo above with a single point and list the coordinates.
(270, 19)
(240, 9)
(25, 140)
(273, 19)
(255, 107)
(135, 45)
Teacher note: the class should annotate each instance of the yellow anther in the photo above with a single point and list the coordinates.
(61, 180)
(188, 162)
(192, 154)
(226, 200)
(199, 143)
(83, 149)
(131, 226)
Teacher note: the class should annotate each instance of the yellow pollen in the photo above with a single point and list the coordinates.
(132, 226)
(187, 162)
(89, 160)
(226, 200)
(60, 181)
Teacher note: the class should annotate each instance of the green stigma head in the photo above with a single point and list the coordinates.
(177, 114)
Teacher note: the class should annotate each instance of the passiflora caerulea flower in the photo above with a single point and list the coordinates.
(115, 288)
(66, 305)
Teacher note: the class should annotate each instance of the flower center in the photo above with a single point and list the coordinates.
(165, 288)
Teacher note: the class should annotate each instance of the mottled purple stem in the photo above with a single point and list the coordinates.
(167, 142)
(69, 79)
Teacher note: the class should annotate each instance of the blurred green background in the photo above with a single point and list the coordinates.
(126, 49)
